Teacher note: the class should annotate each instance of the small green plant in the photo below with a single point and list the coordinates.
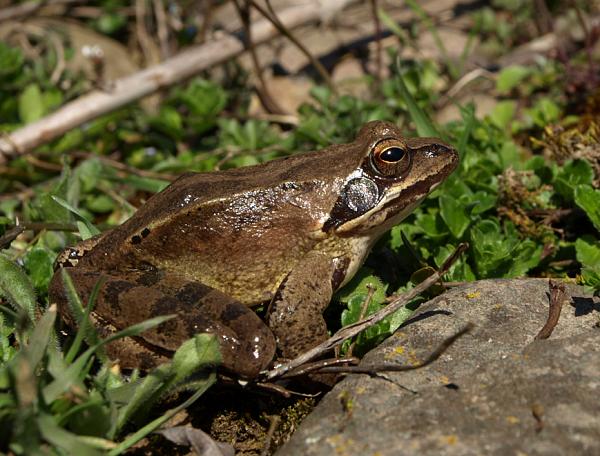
(59, 398)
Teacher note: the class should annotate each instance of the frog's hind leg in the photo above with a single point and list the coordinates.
(247, 345)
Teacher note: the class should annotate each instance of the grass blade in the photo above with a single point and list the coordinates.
(155, 424)
(419, 117)
(65, 440)
(85, 330)
(72, 375)
(16, 287)
(91, 229)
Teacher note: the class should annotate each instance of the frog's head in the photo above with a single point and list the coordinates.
(395, 174)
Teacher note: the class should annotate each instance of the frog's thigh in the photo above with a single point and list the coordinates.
(296, 312)
(246, 344)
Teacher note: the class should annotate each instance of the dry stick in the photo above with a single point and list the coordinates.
(60, 58)
(274, 421)
(262, 90)
(376, 20)
(356, 328)
(28, 8)
(130, 88)
(145, 42)
(162, 28)
(13, 232)
(320, 365)
(588, 41)
(386, 367)
(284, 30)
(557, 298)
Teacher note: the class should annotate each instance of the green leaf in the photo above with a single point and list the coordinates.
(526, 256)
(588, 252)
(544, 112)
(573, 174)
(41, 337)
(67, 378)
(168, 121)
(370, 337)
(201, 386)
(503, 113)
(16, 287)
(39, 265)
(500, 253)
(200, 351)
(109, 23)
(588, 199)
(11, 60)
(194, 354)
(460, 271)
(454, 214)
(432, 225)
(510, 77)
(31, 104)
(359, 286)
(204, 101)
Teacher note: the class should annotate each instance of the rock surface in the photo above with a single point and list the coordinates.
(495, 391)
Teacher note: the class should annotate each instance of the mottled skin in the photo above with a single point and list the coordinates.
(287, 233)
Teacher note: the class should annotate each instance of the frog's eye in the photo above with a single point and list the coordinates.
(390, 158)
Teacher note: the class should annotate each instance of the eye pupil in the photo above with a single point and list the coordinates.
(392, 154)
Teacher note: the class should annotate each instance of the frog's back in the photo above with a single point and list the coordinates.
(240, 231)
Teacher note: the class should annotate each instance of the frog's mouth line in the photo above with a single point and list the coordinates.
(410, 197)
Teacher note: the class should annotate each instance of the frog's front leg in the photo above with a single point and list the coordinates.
(296, 311)
(247, 345)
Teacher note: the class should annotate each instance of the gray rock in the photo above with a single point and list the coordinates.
(495, 391)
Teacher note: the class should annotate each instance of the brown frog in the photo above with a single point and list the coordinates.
(287, 233)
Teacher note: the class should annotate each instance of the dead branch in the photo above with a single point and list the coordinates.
(131, 88)
(558, 297)
(358, 327)
(28, 8)
(387, 367)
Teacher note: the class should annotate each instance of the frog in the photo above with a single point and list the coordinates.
(285, 235)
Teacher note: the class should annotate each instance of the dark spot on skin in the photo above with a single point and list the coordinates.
(145, 232)
(136, 239)
(113, 289)
(339, 274)
(146, 360)
(165, 306)
(150, 277)
(167, 328)
(232, 312)
(192, 292)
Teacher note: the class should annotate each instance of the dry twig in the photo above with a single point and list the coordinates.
(162, 28)
(262, 90)
(131, 88)
(378, 37)
(284, 30)
(386, 367)
(28, 8)
(558, 297)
